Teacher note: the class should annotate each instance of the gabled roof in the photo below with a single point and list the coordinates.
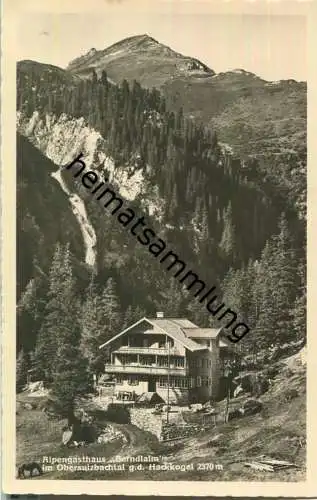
(180, 329)
(168, 327)
(223, 342)
(202, 333)
(173, 328)
(182, 322)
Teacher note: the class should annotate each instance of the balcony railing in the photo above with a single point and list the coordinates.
(151, 370)
(148, 350)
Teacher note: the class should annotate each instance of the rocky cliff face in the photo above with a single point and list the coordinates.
(61, 140)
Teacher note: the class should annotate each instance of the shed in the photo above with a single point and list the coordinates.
(150, 398)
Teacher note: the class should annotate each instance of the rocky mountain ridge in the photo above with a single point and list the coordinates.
(144, 48)
(260, 119)
(257, 118)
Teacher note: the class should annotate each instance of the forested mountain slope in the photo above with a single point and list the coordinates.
(256, 118)
(233, 220)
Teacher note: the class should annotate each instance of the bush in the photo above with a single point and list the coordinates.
(290, 394)
(85, 432)
(272, 371)
(22, 365)
(118, 414)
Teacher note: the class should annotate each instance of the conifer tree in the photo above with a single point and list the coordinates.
(266, 316)
(29, 313)
(227, 243)
(104, 78)
(214, 140)
(90, 327)
(198, 314)
(22, 366)
(299, 317)
(67, 368)
(172, 207)
(60, 314)
(298, 311)
(275, 288)
(171, 299)
(100, 321)
(132, 315)
(71, 379)
(232, 288)
(111, 306)
(285, 271)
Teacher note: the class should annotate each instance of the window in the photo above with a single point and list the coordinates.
(119, 380)
(175, 382)
(147, 360)
(133, 380)
(204, 381)
(133, 342)
(198, 381)
(184, 383)
(163, 361)
(127, 359)
(162, 382)
(179, 362)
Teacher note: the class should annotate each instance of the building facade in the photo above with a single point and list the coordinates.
(170, 356)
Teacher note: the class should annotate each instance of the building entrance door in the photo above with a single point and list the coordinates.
(152, 384)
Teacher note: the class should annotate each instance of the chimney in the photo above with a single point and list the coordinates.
(160, 315)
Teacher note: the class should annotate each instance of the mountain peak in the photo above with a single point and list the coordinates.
(142, 38)
(91, 52)
(142, 58)
(135, 42)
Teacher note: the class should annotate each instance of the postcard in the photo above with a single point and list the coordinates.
(157, 248)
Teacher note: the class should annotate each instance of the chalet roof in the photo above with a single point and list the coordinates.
(172, 327)
(202, 333)
(223, 342)
(168, 326)
(182, 322)
(180, 329)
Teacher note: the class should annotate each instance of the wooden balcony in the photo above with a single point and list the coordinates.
(148, 370)
(173, 351)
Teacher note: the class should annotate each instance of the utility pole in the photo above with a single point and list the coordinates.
(168, 380)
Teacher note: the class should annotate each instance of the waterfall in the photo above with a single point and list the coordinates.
(79, 210)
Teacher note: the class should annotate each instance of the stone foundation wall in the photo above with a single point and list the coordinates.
(174, 431)
(156, 424)
(146, 420)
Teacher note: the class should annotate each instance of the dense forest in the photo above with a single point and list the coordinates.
(235, 227)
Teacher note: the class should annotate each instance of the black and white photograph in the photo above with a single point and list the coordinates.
(161, 200)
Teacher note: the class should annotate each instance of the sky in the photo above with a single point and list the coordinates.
(271, 46)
